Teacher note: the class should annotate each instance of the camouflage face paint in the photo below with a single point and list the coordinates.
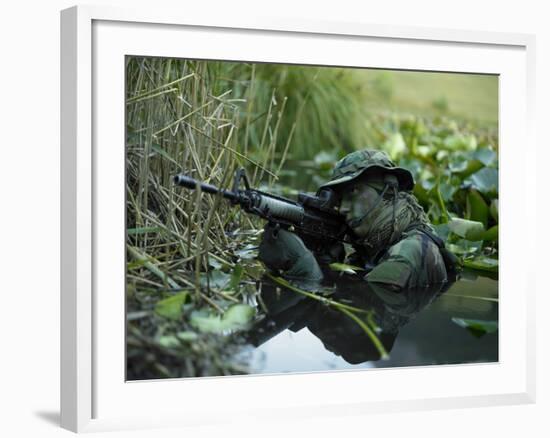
(357, 200)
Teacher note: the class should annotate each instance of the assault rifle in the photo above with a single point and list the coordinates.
(315, 219)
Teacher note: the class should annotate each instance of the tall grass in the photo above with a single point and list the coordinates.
(207, 119)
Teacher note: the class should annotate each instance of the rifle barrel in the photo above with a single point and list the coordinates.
(190, 183)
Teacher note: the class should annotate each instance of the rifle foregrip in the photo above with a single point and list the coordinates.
(281, 210)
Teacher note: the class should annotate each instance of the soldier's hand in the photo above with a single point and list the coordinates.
(334, 253)
(285, 252)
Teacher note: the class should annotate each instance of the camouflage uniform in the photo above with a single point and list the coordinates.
(394, 240)
(413, 262)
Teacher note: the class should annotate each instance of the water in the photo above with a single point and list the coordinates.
(303, 335)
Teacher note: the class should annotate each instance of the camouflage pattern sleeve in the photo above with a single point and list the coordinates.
(413, 262)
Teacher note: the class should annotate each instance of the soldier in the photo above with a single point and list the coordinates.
(393, 239)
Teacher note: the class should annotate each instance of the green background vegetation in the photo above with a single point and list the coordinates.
(192, 273)
(470, 97)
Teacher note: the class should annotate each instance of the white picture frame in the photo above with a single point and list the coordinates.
(93, 395)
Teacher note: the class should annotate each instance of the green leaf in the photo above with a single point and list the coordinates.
(491, 234)
(169, 341)
(476, 208)
(254, 270)
(470, 230)
(187, 336)
(471, 167)
(482, 263)
(206, 323)
(486, 156)
(460, 142)
(477, 327)
(236, 276)
(447, 191)
(465, 247)
(395, 145)
(171, 307)
(442, 230)
(421, 194)
(493, 208)
(342, 267)
(439, 204)
(237, 317)
(485, 180)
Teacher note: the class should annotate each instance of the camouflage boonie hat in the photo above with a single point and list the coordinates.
(359, 162)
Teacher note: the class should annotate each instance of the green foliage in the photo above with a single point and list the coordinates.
(383, 85)
(459, 96)
(237, 317)
(482, 263)
(171, 307)
(466, 229)
(455, 166)
(311, 106)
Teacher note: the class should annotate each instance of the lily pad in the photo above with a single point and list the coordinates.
(447, 191)
(482, 263)
(470, 230)
(485, 180)
(460, 142)
(171, 307)
(486, 156)
(477, 327)
(465, 247)
(237, 317)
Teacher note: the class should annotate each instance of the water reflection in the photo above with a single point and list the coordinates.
(415, 327)
(383, 311)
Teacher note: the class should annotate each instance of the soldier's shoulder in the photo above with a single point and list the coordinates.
(413, 248)
(413, 240)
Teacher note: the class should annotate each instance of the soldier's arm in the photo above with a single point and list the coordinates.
(285, 253)
(413, 262)
(399, 267)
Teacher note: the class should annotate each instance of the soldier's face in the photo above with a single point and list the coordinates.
(357, 200)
